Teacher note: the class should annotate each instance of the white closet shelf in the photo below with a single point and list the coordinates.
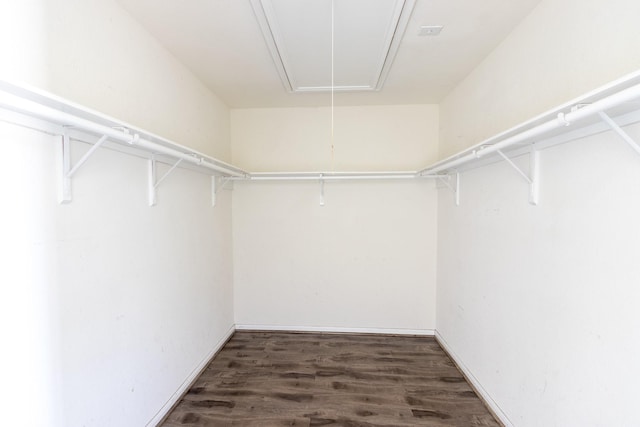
(328, 176)
(610, 107)
(588, 114)
(72, 118)
(37, 109)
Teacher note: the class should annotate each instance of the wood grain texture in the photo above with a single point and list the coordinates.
(293, 379)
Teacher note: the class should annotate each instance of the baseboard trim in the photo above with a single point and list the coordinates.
(336, 330)
(471, 379)
(166, 409)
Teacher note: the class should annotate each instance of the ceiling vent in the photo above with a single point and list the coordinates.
(344, 45)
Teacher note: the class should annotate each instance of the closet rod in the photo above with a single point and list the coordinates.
(116, 133)
(562, 120)
(326, 176)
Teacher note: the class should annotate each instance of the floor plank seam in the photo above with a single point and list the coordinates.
(308, 379)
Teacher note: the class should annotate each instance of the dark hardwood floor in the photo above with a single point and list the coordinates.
(290, 379)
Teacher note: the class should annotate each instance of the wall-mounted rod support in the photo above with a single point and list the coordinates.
(617, 129)
(66, 170)
(444, 179)
(223, 180)
(151, 181)
(217, 184)
(64, 162)
(534, 171)
(515, 167)
(321, 190)
(86, 156)
(175, 165)
(455, 189)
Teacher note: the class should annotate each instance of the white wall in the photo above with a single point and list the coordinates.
(23, 42)
(108, 305)
(94, 53)
(130, 299)
(365, 260)
(562, 49)
(399, 137)
(539, 302)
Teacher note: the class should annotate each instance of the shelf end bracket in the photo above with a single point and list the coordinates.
(151, 181)
(534, 172)
(64, 164)
(617, 129)
(321, 190)
(217, 184)
(454, 188)
(67, 171)
(533, 177)
(153, 184)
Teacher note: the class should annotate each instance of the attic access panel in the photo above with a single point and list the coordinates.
(366, 37)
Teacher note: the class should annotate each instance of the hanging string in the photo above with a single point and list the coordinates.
(332, 85)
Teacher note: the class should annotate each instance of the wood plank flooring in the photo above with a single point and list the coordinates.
(291, 379)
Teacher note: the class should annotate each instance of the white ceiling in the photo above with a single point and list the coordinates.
(220, 41)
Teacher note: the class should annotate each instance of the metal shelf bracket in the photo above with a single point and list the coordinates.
(153, 183)
(454, 188)
(321, 190)
(617, 129)
(217, 184)
(533, 177)
(67, 171)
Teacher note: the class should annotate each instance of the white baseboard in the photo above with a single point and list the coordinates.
(493, 406)
(332, 329)
(168, 406)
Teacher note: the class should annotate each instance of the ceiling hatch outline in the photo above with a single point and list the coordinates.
(366, 37)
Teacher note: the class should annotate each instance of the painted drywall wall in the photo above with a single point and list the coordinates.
(94, 53)
(110, 305)
(30, 362)
(400, 137)
(23, 42)
(363, 261)
(561, 50)
(538, 303)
